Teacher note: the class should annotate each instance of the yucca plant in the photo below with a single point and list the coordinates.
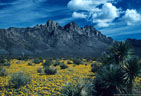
(121, 50)
(117, 53)
(132, 69)
(109, 81)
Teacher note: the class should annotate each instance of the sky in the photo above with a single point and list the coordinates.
(119, 19)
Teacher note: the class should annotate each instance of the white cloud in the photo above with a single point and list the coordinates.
(102, 16)
(131, 17)
(85, 4)
(78, 15)
(107, 14)
(80, 4)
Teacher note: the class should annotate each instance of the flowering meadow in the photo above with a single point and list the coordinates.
(42, 84)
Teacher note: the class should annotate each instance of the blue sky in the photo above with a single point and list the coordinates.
(120, 19)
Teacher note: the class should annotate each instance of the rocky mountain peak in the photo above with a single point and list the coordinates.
(71, 26)
(51, 39)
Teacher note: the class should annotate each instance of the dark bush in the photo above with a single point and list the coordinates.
(30, 64)
(39, 70)
(77, 61)
(37, 60)
(2, 60)
(7, 64)
(95, 67)
(47, 63)
(50, 70)
(2, 72)
(63, 66)
(69, 62)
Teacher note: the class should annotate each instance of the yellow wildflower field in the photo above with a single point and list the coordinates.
(42, 84)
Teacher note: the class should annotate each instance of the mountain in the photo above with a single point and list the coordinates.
(51, 39)
(136, 45)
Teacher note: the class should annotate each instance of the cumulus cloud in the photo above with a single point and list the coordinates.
(85, 4)
(107, 14)
(132, 16)
(80, 4)
(78, 15)
(102, 16)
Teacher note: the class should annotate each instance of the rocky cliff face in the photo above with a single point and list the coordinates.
(51, 39)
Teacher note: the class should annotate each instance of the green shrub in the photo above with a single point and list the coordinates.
(25, 58)
(2, 60)
(63, 66)
(7, 64)
(18, 79)
(57, 63)
(77, 61)
(30, 64)
(95, 67)
(50, 70)
(2, 72)
(37, 60)
(39, 70)
(69, 62)
(47, 63)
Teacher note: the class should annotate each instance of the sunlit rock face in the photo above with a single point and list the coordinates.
(51, 39)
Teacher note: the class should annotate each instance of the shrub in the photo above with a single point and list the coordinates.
(25, 58)
(2, 60)
(63, 66)
(39, 70)
(7, 64)
(57, 63)
(47, 63)
(30, 64)
(37, 60)
(18, 79)
(50, 70)
(2, 72)
(77, 61)
(95, 67)
(69, 62)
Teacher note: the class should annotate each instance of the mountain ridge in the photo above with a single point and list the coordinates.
(51, 39)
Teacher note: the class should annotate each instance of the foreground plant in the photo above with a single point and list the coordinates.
(109, 81)
(74, 89)
(132, 69)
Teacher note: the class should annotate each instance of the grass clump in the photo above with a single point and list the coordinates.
(50, 70)
(75, 89)
(18, 79)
